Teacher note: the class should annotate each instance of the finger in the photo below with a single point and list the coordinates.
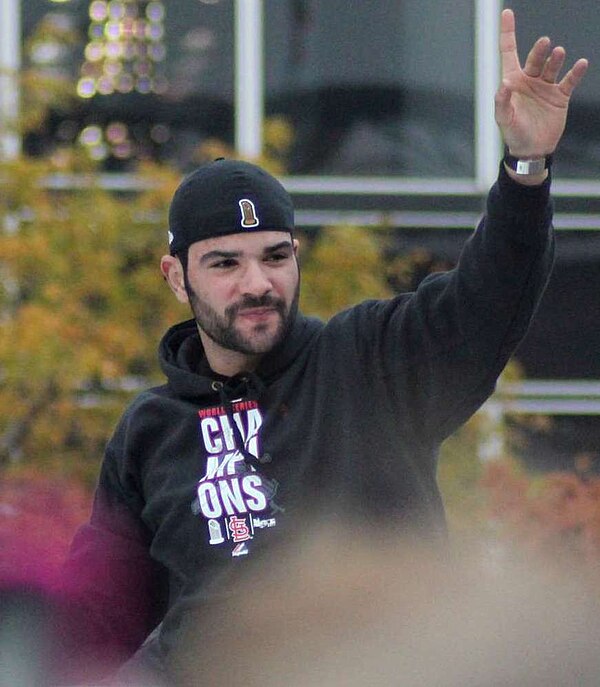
(572, 78)
(536, 59)
(553, 65)
(509, 57)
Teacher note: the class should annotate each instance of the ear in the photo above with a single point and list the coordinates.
(296, 246)
(172, 271)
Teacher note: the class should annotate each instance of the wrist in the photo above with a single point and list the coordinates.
(527, 170)
(527, 165)
(526, 179)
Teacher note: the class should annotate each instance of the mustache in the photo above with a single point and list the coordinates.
(265, 301)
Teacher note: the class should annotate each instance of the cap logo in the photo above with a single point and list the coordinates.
(249, 218)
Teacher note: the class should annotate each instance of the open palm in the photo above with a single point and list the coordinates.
(531, 105)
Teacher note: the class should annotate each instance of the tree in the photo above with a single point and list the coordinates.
(554, 516)
(82, 306)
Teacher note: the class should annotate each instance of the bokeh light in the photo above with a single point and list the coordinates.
(94, 51)
(126, 45)
(125, 83)
(98, 10)
(116, 133)
(116, 10)
(91, 135)
(160, 133)
(86, 87)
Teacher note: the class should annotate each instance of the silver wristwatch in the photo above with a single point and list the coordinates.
(527, 166)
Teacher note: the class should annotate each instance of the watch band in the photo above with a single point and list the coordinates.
(527, 166)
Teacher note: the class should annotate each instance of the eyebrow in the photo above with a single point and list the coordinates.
(225, 254)
(278, 246)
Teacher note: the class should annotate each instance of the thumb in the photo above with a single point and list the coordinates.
(502, 105)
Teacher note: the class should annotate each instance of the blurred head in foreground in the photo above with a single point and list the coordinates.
(345, 611)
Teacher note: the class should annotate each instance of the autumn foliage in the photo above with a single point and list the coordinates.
(82, 306)
(556, 515)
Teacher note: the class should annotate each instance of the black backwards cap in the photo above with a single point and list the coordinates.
(227, 197)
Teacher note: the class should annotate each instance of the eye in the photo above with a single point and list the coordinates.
(224, 264)
(277, 257)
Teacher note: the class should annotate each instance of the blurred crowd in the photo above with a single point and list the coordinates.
(349, 607)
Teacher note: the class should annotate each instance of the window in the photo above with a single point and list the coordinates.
(397, 88)
(382, 88)
(152, 80)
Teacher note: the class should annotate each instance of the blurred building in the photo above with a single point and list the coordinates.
(390, 104)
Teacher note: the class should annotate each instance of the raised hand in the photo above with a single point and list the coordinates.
(531, 104)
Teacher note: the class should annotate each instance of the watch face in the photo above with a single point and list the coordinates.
(527, 166)
(530, 166)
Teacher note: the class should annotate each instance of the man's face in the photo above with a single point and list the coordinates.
(243, 289)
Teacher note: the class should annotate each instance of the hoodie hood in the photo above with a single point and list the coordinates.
(183, 361)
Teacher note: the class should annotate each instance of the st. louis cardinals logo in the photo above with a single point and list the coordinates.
(231, 495)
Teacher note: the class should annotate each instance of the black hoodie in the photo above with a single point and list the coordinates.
(343, 418)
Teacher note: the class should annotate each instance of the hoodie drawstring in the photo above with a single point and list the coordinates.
(248, 387)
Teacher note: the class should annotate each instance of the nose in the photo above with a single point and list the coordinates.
(255, 280)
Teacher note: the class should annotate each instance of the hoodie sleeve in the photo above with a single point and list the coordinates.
(114, 594)
(443, 347)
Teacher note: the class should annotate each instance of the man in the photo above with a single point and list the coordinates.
(269, 417)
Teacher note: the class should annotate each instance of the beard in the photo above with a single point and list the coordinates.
(222, 328)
